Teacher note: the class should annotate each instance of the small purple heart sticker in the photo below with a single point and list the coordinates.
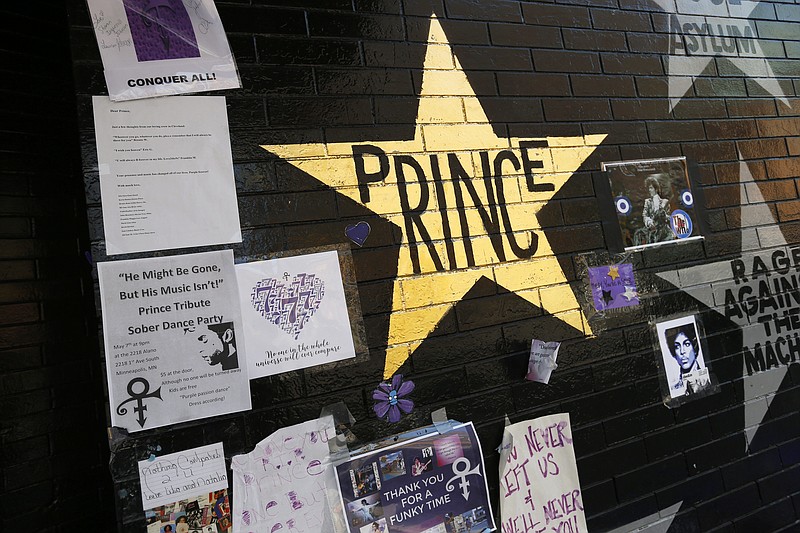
(358, 233)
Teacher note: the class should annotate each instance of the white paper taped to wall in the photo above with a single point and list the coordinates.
(180, 475)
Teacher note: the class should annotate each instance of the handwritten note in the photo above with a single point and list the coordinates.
(539, 486)
(542, 360)
(282, 483)
(176, 476)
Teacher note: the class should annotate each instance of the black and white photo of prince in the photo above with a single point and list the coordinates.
(682, 353)
(214, 343)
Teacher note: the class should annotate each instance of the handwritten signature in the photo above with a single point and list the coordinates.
(101, 24)
(119, 44)
(196, 5)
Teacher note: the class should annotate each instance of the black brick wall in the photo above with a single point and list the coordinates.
(540, 69)
(53, 454)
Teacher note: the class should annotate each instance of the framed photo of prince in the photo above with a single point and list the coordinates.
(653, 202)
(684, 366)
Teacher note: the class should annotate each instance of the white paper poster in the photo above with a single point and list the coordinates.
(539, 486)
(171, 326)
(179, 475)
(294, 313)
(166, 173)
(157, 48)
(283, 483)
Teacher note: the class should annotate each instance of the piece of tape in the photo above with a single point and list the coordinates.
(340, 413)
(442, 423)
(341, 438)
(508, 440)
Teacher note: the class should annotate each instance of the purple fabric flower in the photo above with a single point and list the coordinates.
(390, 398)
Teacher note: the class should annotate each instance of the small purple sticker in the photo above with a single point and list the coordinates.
(161, 29)
(613, 286)
(358, 233)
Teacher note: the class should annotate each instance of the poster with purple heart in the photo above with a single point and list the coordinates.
(172, 333)
(162, 47)
(294, 313)
(435, 483)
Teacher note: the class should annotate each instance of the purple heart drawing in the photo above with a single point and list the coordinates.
(358, 233)
(291, 306)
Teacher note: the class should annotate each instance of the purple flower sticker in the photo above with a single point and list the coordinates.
(390, 398)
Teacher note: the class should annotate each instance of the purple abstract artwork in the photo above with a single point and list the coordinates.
(613, 286)
(161, 29)
(288, 305)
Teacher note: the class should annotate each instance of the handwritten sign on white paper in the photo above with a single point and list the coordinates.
(283, 483)
(179, 475)
(539, 486)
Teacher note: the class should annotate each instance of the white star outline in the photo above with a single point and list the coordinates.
(689, 67)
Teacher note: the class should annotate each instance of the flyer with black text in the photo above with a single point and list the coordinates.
(172, 328)
(158, 48)
(166, 173)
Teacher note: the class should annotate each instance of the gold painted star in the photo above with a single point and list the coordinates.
(613, 272)
(466, 200)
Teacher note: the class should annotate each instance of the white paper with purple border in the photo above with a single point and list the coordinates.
(294, 312)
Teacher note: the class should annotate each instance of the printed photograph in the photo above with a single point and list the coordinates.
(682, 353)
(438, 528)
(392, 465)
(473, 521)
(214, 343)
(375, 527)
(209, 513)
(653, 201)
(364, 511)
(181, 522)
(365, 480)
(422, 461)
